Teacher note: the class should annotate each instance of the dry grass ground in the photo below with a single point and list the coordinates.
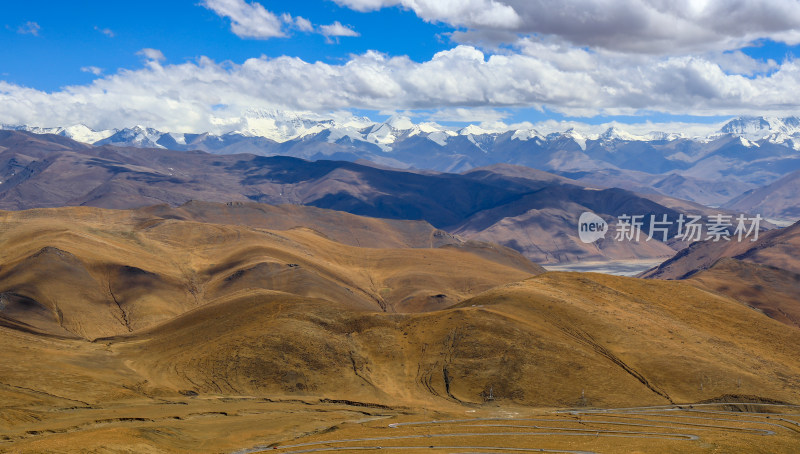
(131, 332)
(763, 274)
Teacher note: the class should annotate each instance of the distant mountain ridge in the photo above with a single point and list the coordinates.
(533, 212)
(282, 126)
(776, 200)
(746, 153)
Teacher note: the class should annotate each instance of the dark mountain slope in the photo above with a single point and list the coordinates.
(49, 171)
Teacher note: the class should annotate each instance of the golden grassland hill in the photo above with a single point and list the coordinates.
(765, 274)
(339, 226)
(158, 332)
(553, 340)
(234, 368)
(66, 395)
(91, 272)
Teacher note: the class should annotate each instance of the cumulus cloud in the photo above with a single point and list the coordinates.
(204, 95)
(248, 20)
(252, 20)
(29, 28)
(737, 62)
(337, 29)
(643, 26)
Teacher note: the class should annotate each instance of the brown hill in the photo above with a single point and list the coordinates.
(93, 272)
(777, 248)
(536, 225)
(764, 274)
(213, 336)
(777, 200)
(542, 341)
(774, 291)
(542, 222)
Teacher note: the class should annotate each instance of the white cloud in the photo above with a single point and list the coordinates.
(642, 26)
(337, 29)
(92, 69)
(151, 54)
(252, 20)
(467, 115)
(299, 23)
(641, 129)
(203, 95)
(469, 13)
(303, 24)
(737, 62)
(248, 20)
(29, 28)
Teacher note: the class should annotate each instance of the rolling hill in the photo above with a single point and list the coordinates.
(533, 212)
(557, 334)
(90, 272)
(210, 327)
(764, 274)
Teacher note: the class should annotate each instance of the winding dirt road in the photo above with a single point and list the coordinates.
(686, 423)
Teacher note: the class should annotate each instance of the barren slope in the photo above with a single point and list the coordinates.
(764, 274)
(777, 248)
(212, 336)
(93, 272)
(556, 340)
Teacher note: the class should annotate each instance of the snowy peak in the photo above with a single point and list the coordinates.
(526, 134)
(440, 137)
(83, 133)
(79, 132)
(288, 126)
(663, 136)
(747, 143)
(399, 123)
(576, 137)
(479, 136)
(398, 127)
(758, 128)
(281, 126)
(614, 133)
(475, 130)
(137, 136)
(746, 126)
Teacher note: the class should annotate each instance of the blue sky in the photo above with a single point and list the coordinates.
(477, 61)
(70, 38)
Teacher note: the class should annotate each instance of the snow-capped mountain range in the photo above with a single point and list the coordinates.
(745, 153)
(281, 127)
